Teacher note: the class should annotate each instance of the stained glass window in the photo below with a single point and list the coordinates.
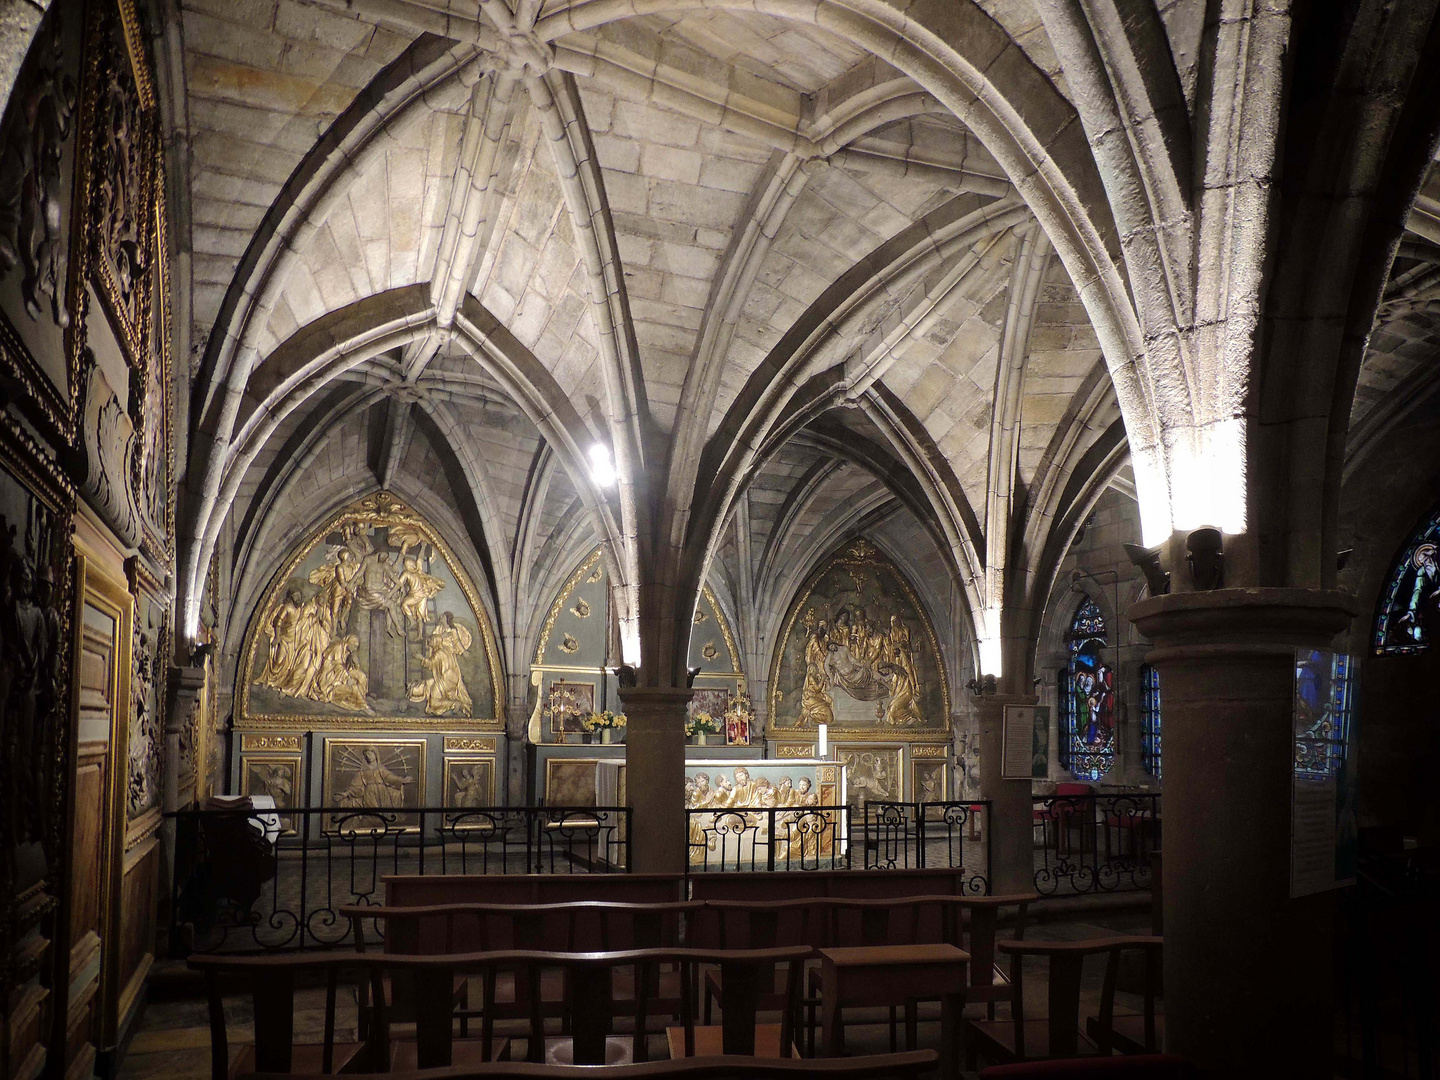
(1150, 720)
(1324, 710)
(1062, 693)
(1410, 602)
(1090, 731)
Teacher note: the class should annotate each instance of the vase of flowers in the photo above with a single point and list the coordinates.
(700, 725)
(605, 723)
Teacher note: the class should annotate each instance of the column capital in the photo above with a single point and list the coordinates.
(644, 699)
(1281, 618)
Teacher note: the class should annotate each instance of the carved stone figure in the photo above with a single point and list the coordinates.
(444, 691)
(120, 191)
(41, 115)
(146, 724)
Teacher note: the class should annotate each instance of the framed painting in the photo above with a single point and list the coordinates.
(930, 781)
(369, 782)
(276, 775)
(570, 781)
(872, 773)
(469, 782)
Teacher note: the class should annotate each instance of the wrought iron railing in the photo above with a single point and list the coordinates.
(887, 836)
(248, 879)
(1094, 843)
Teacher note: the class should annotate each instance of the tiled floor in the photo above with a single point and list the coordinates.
(172, 1039)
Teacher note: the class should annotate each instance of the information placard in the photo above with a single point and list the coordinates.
(1024, 741)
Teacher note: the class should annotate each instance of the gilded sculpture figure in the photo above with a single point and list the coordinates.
(816, 705)
(419, 588)
(444, 691)
(373, 786)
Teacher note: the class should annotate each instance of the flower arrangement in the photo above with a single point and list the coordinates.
(702, 723)
(600, 720)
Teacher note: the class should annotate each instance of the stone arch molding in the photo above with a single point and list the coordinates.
(372, 620)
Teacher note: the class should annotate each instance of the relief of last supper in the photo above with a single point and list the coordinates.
(372, 618)
(858, 654)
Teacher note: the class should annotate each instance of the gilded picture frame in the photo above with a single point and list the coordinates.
(469, 781)
(280, 776)
(368, 784)
(873, 772)
(929, 780)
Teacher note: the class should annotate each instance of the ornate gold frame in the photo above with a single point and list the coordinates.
(295, 761)
(551, 762)
(381, 508)
(465, 759)
(871, 556)
(327, 795)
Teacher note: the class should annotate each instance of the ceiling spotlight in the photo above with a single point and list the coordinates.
(602, 468)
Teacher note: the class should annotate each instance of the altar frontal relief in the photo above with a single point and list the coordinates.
(741, 794)
(859, 654)
(371, 620)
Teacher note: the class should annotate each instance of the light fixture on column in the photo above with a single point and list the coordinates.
(1205, 554)
(1147, 561)
(985, 684)
(690, 674)
(602, 467)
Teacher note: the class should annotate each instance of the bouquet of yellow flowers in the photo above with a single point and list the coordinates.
(702, 723)
(606, 719)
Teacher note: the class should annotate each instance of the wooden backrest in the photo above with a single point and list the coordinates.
(984, 918)
(568, 927)
(867, 1067)
(412, 890)
(1066, 962)
(1152, 947)
(271, 980)
(762, 886)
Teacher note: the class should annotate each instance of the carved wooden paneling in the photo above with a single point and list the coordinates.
(85, 848)
(137, 925)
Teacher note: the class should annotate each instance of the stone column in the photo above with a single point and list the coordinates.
(655, 776)
(1247, 969)
(1012, 847)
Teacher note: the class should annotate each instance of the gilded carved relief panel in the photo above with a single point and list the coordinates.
(148, 684)
(371, 623)
(859, 654)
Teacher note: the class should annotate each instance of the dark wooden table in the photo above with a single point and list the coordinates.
(872, 975)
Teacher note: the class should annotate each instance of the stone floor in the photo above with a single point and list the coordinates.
(171, 1040)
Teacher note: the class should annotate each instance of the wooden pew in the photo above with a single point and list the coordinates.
(412, 890)
(591, 1006)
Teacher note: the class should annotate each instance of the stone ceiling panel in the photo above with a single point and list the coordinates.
(265, 79)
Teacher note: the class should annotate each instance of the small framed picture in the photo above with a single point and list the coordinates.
(737, 729)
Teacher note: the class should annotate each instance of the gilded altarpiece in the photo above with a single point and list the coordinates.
(370, 631)
(859, 654)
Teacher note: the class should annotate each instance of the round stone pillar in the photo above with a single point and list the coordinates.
(1012, 844)
(1247, 969)
(655, 776)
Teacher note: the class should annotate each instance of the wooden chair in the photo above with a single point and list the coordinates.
(272, 982)
(1127, 1031)
(867, 1067)
(1058, 1036)
(743, 924)
(747, 981)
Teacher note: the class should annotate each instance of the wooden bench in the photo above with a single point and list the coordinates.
(411, 890)
(591, 1006)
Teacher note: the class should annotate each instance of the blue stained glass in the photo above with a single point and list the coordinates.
(1150, 720)
(1410, 602)
(1090, 709)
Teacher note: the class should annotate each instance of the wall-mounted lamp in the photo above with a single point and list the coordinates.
(981, 686)
(1147, 561)
(690, 674)
(1205, 554)
(824, 740)
(626, 674)
(1343, 557)
(602, 467)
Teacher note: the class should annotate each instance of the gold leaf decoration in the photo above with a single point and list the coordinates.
(710, 652)
(699, 616)
(568, 644)
(581, 608)
(596, 574)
